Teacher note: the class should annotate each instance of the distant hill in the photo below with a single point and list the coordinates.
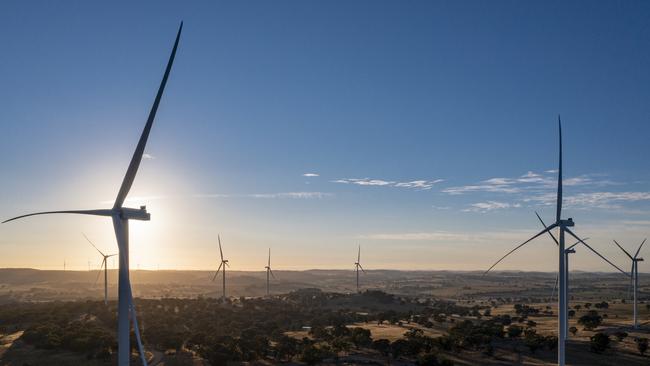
(24, 284)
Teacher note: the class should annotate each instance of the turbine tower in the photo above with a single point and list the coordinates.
(120, 216)
(222, 265)
(357, 264)
(269, 272)
(105, 266)
(564, 227)
(634, 274)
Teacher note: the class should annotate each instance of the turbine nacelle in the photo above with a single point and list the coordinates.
(567, 223)
(134, 213)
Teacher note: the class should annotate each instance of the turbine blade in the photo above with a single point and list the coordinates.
(594, 250)
(217, 272)
(91, 243)
(624, 251)
(363, 270)
(638, 250)
(139, 150)
(227, 264)
(576, 243)
(220, 251)
(559, 175)
(519, 246)
(99, 273)
(136, 329)
(81, 212)
(271, 272)
(269, 257)
(549, 233)
(359, 255)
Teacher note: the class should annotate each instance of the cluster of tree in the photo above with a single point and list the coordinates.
(591, 320)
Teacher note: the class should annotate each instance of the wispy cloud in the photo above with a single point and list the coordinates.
(447, 236)
(415, 184)
(490, 206)
(311, 175)
(530, 181)
(592, 199)
(148, 156)
(289, 195)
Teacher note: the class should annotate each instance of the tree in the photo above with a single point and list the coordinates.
(573, 330)
(599, 342)
(533, 341)
(287, 348)
(514, 331)
(641, 345)
(620, 336)
(361, 337)
(428, 359)
(591, 320)
(382, 346)
(312, 355)
(572, 313)
(487, 312)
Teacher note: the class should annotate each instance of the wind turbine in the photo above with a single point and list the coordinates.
(223, 264)
(634, 273)
(357, 264)
(105, 266)
(269, 272)
(120, 216)
(563, 226)
(568, 251)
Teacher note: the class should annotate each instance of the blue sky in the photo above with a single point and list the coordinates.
(431, 127)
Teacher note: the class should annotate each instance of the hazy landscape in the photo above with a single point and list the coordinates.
(419, 314)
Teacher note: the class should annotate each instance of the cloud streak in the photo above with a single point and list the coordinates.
(415, 184)
(280, 195)
(484, 207)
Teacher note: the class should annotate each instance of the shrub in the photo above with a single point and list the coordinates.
(641, 345)
(599, 342)
(514, 331)
(620, 336)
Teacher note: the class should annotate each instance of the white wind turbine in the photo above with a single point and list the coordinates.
(105, 266)
(634, 275)
(120, 216)
(568, 251)
(563, 226)
(357, 265)
(269, 272)
(222, 265)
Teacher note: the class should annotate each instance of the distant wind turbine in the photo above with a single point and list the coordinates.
(222, 265)
(105, 266)
(269, 272)
(120, 216)
(634, 277)
(357, 265)
(563, 226)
